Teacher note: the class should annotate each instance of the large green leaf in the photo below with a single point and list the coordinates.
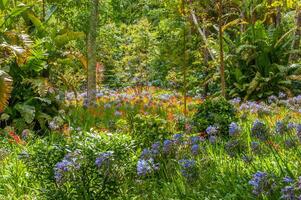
(27, 112)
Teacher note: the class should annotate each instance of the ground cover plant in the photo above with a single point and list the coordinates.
(150, 99)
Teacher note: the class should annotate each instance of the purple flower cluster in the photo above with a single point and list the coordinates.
(69, 164)
(259, 130)
(146, 166)
(234, 129)
(291, 191)
(281, 127)
(235, 101)
(261, 183)
(212, 131)
(288, 193)
(104, 159)
(298, 129)
(195, 149)
(272, 99)
(255, 146)
(168, 146)
(188, 168)
(255, 107)
(155, 150)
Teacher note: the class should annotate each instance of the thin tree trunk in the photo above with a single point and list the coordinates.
(296, 44)
(184, 62)
(278, 17)
(206, 61)
(44, 12)
(93, 22)
(221, 45)
(242, 16)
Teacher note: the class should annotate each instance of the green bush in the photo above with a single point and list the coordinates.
(218, 112)
(146, 129)
(88, 181)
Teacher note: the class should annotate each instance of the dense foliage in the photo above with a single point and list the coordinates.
(150, 99)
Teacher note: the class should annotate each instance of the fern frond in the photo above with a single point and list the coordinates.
(5, 89)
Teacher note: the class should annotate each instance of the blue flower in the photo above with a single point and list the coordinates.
(280, 127)
(188, 168)
(117, 113)
(167, 146)
(212, 139)
(288, 179)
(255, 146)
(236, 101)
(146, 154)
(195, 139)
(195, 149)
(291, 126)
(145, 167)
(234, 129)
(212, 130)
(281, 95)
(298, 129)
(288, 193)
(259, 130)
(104, 159)
(261, 183)
(69, 164)
(272, 99)
(178, 137)
(156, 148)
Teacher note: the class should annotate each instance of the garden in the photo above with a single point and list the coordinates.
(150, 99)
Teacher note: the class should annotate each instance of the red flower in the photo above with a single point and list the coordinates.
(16, 138)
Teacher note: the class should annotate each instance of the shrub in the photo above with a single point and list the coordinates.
(85, 166)
(218, 112)
(146, 129)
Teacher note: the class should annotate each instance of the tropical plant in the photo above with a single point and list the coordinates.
(5, 89)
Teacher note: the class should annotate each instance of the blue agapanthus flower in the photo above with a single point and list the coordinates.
(255, 146)
(259, 130)
(155, 150)
(212, 130)
(178, 137)
(298, 130)
(167, 146)
(291, 126)
(280, 127)
(212, 139)
(288, 179)
(104, 159)
(195, 149)
(145, 167)
(188, 168)
(70, 163)
(288, 193)
(261, 183)
(195, 139)
(234, 129)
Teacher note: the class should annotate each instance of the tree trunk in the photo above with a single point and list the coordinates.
(242, 16)
(184, 62)
(278, 17)
(93, 22)
(296, 44)
(206, 64)
(43, 8)
(221, 45)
